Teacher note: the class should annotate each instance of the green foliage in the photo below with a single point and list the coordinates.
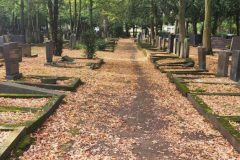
(89, 39)
(101, 44)
(79, 45)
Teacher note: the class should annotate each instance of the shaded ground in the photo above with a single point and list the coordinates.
(126, 110)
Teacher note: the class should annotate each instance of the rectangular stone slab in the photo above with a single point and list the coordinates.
(235, 68)
(223, 63)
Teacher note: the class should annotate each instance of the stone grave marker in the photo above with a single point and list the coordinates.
(235, 44)
(73, 41)
(164, 43)
(25, 48)
(1, 44)
(186, 48)
(160, 43)
(195, 39)
(170, 43)
(49, 51)
(178, 48)
(11, 58)
(235, 68)
(223, 63)
(202, 58)
(157, 41)
(175, 45)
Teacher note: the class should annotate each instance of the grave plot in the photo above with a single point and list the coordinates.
(51, 82)
(9, 138)
(206, 79)
(21, 114)
(223, 111)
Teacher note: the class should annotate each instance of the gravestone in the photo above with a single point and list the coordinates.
(160, 43)
(175, 45)
(178, 48)
(220, 43)
(235, 44)
(73, 41)
(186, 48)
(25, 48)
(157, 41)
(170, 43)
(223, 63)
(49, 51)
(235, 68)
(164, 43)
(202, 58)
(11, 58)
(1, 44)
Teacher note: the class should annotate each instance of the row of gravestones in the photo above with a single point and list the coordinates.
(224, 60)
(12, 53)
(25, 49)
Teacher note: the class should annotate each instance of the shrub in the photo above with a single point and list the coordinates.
(101, 44)
(79, 46)
(89, 39)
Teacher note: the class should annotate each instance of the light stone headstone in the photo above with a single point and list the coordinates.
(223, 63)
(235, 68)
(49, 51)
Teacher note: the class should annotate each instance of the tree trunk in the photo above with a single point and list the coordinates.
(215, 24)
(237, 23)
(182, 29)
(207, 27)
(91, 13)
(79, 20)
(75, 16)
(194, 25)
(22, 18)
(70, 14)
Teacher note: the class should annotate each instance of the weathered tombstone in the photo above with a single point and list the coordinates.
(235, 44)
(223, 63)
(170, 43)
(178, 48)
(49, 51)
(186, 48)
(220, 42)
(11, 58)
(157, 41)
(195, 39)
(175, 42)
(235, 68)
(164, 43)
(160, 43)
(202, 58)
(73, 41)
(1, 44)
(25, 48)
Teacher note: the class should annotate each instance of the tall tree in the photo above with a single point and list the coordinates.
(182, 29)
(22, 18)
(207, 27)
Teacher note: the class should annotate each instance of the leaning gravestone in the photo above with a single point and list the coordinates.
(170, 43)
(223, 63)
(11, 58)
(202, 58)
(26, 48)
(73, 41)
(235, 68)
(49, 51)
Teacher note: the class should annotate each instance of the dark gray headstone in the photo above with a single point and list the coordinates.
(235, 68)
(220, 42)
(175, 45)
(2, 40)
(49, 51)
(195, 39)
(164, 46)
(202, 58)
(223, 63)
(170, 43)
(160, 42)
(18, 38)
(11, 58)
(235, 45)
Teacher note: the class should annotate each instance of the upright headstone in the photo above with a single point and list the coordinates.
(73, 41)
(186, 48)
(157, 41)
(223, 63)
(235, 68)
(1, 44)
(25, 48)
(202, 58)
(170, 43)
(235, 44)
(11, 58)
(164, 43)
(49, 51)
(160, 42)
(175, 45)
(178, 48)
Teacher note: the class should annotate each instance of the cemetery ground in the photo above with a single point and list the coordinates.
(125, 110)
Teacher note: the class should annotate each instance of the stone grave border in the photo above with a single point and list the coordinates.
(93, 66)
(221, 123)
(76, 82)
(11, 90)
(11, 140)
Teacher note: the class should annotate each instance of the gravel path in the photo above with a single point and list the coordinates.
(127, 110)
